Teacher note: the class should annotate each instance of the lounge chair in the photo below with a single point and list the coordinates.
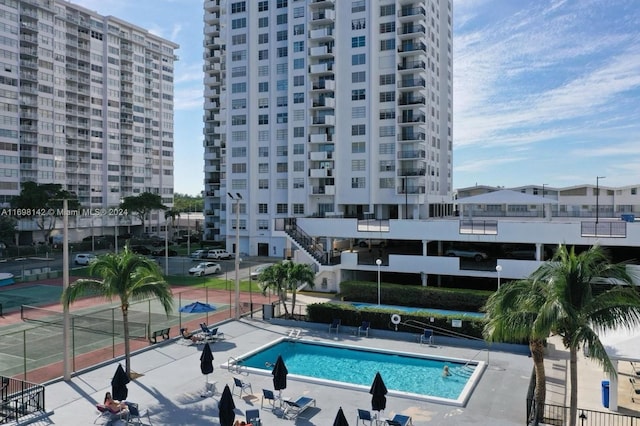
(243, 386)
(335, 326)
(365, 416)
(269, 396)
(211, 333)
(109, 415)
(293, 409)
(253, 417)
(364, 328)
(427, 336)
(400, 420)
(135, 415)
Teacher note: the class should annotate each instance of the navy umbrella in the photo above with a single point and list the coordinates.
(119, 382)
(197, 308)
(226, 408)
(378, 391)
(206, 366)
(340, 420)
(279, 374)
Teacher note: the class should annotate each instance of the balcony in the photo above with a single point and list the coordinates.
(411, 172)
(412, 47)
(411, 136)
(412, 29)
(320, 155)
(321, 68)
(410, 100)
(320, 138)
(324, 102)
(412, 12)
(407, 83)
(320, 173)
(321, 34)
(412, 65)
(323, 85)
(325, 16)
(412, 154)
(326, 120)
(319, 51)
(412, 119)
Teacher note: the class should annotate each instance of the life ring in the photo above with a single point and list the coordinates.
(395, 319)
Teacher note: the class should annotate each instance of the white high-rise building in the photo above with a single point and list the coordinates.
(86, 102)
(325, 108)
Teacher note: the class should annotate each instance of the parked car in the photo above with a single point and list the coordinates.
(219, 254)
(255, 273)
(84, 258)
(141, 250)
(205, 268)
(374, 243)
(160, 252)
(199, 254)
(467, 253)
(521, 253)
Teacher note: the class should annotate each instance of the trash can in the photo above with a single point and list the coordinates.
(267, 312)
(605, 393)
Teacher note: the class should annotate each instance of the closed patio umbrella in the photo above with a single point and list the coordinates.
(226, 408)
(206, 366)
(279, 374)
(340, 420)
(119, 382)
(378, 391)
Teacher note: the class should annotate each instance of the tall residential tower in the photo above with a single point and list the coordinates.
(325, 108)
(86, 102)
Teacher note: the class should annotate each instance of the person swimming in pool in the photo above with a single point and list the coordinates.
(445, 371)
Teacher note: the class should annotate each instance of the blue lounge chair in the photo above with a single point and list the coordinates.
(211, 333)
(364, 328)
(335, 326)
(427, 336)
(293, 409)
(400, 420)
(365, 416)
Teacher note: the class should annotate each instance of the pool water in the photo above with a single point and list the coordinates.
(423, 310)
(404, 373)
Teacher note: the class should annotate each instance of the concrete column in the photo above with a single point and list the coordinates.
(424, 247)
(613, 389)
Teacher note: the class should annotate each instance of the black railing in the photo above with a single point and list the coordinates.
(616, 229)
(559, 415)
(305, 241)
(481, 227)
(20, 399)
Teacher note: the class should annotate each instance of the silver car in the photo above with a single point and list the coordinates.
(205, 268)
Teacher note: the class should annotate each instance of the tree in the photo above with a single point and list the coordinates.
(7, 229)
(142, 205)
(585, 294)
(43, 203)
(188, 203)
(511, 313)
(128, 277)
(284, 276)
(171, 215)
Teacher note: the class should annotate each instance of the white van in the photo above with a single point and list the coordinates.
(219, 254)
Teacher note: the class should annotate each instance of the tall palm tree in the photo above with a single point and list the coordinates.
(286, 276)
(510, 316)
(128, 277)
(585, 294)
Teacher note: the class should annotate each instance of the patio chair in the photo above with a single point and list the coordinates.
(335, 326)
(400, 420)
(427, 336)
(135, 415)
(364, 416)
(253, 417)
(293, 409)
(109, 415)
(243, 386)
(364, 328)
(211, 333)
(269, 396)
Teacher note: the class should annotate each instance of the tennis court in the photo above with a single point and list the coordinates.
(12, 298)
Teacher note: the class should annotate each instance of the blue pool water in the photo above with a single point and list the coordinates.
(423, 310)
(403, 373)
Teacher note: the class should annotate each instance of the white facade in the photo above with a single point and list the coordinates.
(325, 108)
(87, 102)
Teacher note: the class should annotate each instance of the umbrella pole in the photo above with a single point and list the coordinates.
(206, 387)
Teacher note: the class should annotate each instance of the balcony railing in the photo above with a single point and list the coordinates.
(20, 399)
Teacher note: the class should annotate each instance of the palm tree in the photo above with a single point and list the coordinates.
(127, 276)
(585, 294)
(286, 275)
(510, 315)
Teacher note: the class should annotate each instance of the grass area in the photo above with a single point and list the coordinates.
(213, 282)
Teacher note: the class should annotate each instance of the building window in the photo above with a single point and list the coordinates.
(298, 166)
(239, 39)
(358, 182)
(282, 101)
(282, 19)
(387, 166)
(358, 77)
(298, 183)
(263, 224)
(298, 98)
(281, 183)
(298, 64)
(263, 183)
(263, 103)
(298, 46)
(358, 147)
(298, 149)
(283, 52)
(358, 112)
(281, 3)
(298, 208)
(387, 148)
(358, 41)
(263, 208)
(238, 87)
(238, 23)
(263, 151)
(359, 59)
(263, 38)
(263, 86)
(263, 55)
(386, 131)
(263, 22)
(386, 183)
(298, 80)
(263, 167)
(389, 44)
(387, 79)
(282, 35)
(238, 120)
(358, 24)
(239, 71)
(298, 132)
(298, 12)
(238, 7)
(282, 167)
(387, 96)
(282, 117)
(358, 165)
(263, 119)
(238, 55)
(358, 94)
(281, 85)
(281, 208)
(388, 10)
(358, 6)
(239, 168)
(387, 114)
(358, 130)
(387, 27)
(298, 29)
(263, 6)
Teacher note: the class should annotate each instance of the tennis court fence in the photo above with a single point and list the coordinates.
(101, 324)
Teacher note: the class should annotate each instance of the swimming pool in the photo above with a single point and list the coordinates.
(407, 375)
(423, 310)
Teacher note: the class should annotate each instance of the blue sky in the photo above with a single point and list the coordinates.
(545, 91)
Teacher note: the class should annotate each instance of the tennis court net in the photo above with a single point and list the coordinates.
(107, 326)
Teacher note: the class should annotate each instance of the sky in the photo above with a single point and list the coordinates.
(544, 91)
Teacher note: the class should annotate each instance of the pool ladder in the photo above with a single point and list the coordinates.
(235, 366)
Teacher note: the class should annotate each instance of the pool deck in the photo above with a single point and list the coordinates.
(171, 384)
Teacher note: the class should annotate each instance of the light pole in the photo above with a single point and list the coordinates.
(597, 199)
(543, 185)
(378, 262)
(498, 270)
(237, 199)
(66, 318)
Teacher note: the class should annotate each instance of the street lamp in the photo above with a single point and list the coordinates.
(597, 199)
(378, 262)
(543, 185)
(237, 199)
(498, 270)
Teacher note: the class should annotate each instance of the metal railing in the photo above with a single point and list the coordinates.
(20, 399)
(559, 415)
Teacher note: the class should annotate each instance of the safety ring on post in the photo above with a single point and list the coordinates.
(395, 319)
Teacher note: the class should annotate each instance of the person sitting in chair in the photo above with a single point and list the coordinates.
(114, 405)
(194, 337)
